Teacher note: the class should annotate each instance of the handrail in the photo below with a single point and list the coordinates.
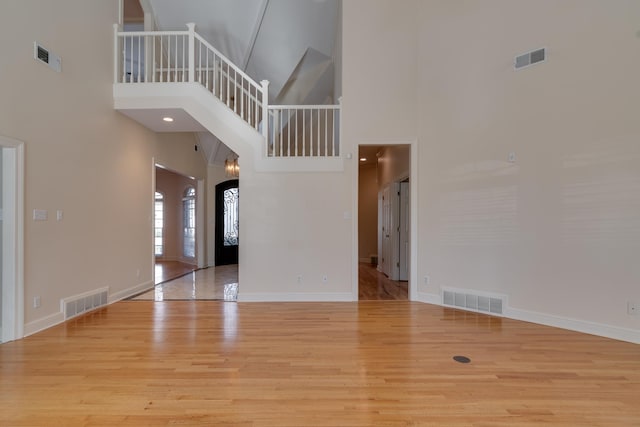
(226, 60)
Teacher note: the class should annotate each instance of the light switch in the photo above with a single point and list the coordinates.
(59, 215)
(39, 215)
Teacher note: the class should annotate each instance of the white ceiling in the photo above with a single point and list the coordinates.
(266, 38)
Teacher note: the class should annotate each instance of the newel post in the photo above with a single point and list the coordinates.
(116, 53)
(192, 51)
(265, 110)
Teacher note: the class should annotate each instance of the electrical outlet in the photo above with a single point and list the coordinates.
(427, 280)
(36, 302)
(325, 279)
(299, 278)
(633, 308)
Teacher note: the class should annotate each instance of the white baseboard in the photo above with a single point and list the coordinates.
(429, 298)
(586, 327)
(583, 326)
(295, 297)
(57, 318)
(142, 287)
(43, 323)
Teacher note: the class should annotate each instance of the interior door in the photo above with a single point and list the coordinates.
(385, 231)
(404, 230)
(227, 222)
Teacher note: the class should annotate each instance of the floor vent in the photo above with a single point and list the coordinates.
(79, 304)
(467, 300)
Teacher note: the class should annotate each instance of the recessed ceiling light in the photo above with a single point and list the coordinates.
(168, 119)
(363, 159)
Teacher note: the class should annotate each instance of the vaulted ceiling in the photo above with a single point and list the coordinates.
(274, 40)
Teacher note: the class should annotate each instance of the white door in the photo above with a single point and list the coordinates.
(385, 232)
(404, 230)
(390, 231)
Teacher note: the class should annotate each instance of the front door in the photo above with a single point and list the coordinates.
(227, 223)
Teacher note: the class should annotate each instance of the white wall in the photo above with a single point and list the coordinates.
(558, 230)
(82, 157)
(295, 224)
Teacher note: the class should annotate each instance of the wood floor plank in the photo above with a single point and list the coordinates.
(298, 364)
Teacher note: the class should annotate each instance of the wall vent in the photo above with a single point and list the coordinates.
(47, 57)
(530, 58)
(79, 304)
(474, 301)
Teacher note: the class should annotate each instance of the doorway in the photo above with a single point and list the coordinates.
(385, 218)
(177, 232)
(227, 223)
(11, 239)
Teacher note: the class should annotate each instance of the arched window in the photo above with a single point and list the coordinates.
(189, 222)
(158, 224)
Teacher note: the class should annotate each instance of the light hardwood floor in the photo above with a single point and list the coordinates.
(371, 363)
(373, 285)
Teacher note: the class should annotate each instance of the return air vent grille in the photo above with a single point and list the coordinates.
(43, 54)
(530, 58)
(47, 57)
(79, 304)
(467, 300)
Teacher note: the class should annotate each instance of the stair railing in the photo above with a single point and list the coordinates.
(185, 57)
(303, 131)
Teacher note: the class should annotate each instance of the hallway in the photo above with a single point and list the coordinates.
(374, 285)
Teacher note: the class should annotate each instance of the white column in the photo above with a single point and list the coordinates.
(116, 53)
(265, 111)
(192, 52)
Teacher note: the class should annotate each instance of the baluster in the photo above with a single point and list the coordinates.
(175, 63)
(304, 132)
(190, 54)
(228, 86)
(153, 59)
(326, 145)
(139, 59)
(206, 62)
(295, 133)
(318, 144)
(184, 62)
(130, 72)
(280, 130)
(124, 59)
(161, 78)
(116, 53)
(242, 101)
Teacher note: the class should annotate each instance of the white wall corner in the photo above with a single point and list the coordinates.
(142, 287)
(43, 323)
(429, 298)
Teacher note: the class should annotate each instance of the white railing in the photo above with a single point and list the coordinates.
(303, 131)
(185, 57)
